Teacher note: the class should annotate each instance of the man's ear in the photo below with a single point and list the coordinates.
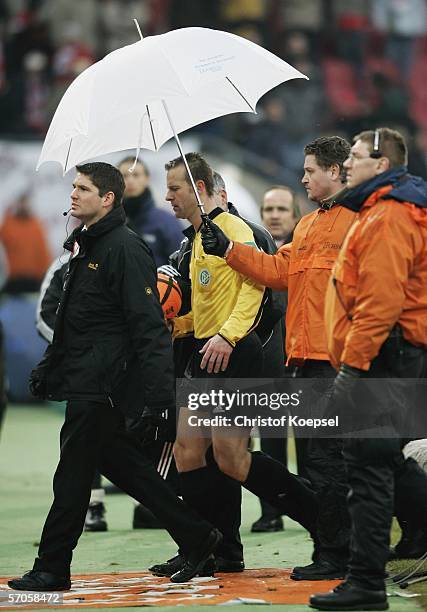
(335, 171)
(109, 199)
(383, 164)
(201, 188)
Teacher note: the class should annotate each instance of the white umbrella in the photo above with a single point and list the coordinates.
(143, 94)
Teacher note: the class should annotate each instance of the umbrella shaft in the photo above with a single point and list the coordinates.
(187, 167)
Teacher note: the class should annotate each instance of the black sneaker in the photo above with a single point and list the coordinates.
(196, 560)
(143, 518)
(34, 580)
(319, 570)
(95, 520)
(267, 525)
(171, 566)
(345, 596)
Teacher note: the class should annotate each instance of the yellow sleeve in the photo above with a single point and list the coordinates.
(183, 325)
(244, 314)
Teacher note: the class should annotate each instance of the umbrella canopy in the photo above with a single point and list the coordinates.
(143, 94)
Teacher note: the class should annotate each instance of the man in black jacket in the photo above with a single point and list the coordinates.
(158, 227)
(111, 359)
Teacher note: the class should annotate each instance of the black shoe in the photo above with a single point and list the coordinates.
(410, 546)
(348, 597)
(143, 518)
(267, 525)
(196, 560)
(171, 566)
(319, 570)
(95, 520)
(35, 580)
(229, 566)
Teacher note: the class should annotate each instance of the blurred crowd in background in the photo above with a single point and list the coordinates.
(366, 61)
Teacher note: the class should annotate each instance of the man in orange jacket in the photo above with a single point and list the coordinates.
(376, 324)
(304, 267)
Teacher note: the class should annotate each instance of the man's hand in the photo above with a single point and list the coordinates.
(216, 354)
(152, 425)
(214, 241)
(37, 384)
(168, 270)
(344, 383)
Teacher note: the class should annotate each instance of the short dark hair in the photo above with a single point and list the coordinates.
(131, 160)
(328, 151)
(296, 211)
(391, 145)
(199, 167)
(106, 178)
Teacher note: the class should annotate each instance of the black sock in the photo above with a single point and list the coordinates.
(196, 491)
(271, 480)
(226, 510)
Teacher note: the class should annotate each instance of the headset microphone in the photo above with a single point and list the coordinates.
(376, 153)
(65, 213)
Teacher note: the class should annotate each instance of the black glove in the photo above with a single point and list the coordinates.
(344, 383)
(214, 241)
(37, 384)
(152, 425)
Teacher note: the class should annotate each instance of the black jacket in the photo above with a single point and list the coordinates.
(110, 339)
(159, 228)
(49, 298)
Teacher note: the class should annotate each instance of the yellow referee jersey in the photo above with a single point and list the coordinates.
(222, 301)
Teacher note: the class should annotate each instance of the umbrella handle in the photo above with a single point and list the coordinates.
(187, 167)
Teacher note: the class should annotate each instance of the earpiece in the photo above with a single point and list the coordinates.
(376, 153)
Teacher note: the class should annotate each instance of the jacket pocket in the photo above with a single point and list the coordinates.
(110, 365)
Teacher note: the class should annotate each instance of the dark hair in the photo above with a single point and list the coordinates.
(106, 178)
(328, 151)
(218, 182)
(296, 211)
(199, 167)
(391, 145)
(131, 160)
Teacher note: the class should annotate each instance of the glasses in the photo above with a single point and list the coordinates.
(355, 157)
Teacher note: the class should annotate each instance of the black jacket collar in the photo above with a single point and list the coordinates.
(137, 209)
(114, 218)
(190, 232)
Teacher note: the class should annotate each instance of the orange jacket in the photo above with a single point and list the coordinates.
(26, 247)
(381, 280)
(303, 267)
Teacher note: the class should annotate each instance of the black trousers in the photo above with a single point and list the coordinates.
(379, 474)
(274, 367)
(93, 436)
(324, 466)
